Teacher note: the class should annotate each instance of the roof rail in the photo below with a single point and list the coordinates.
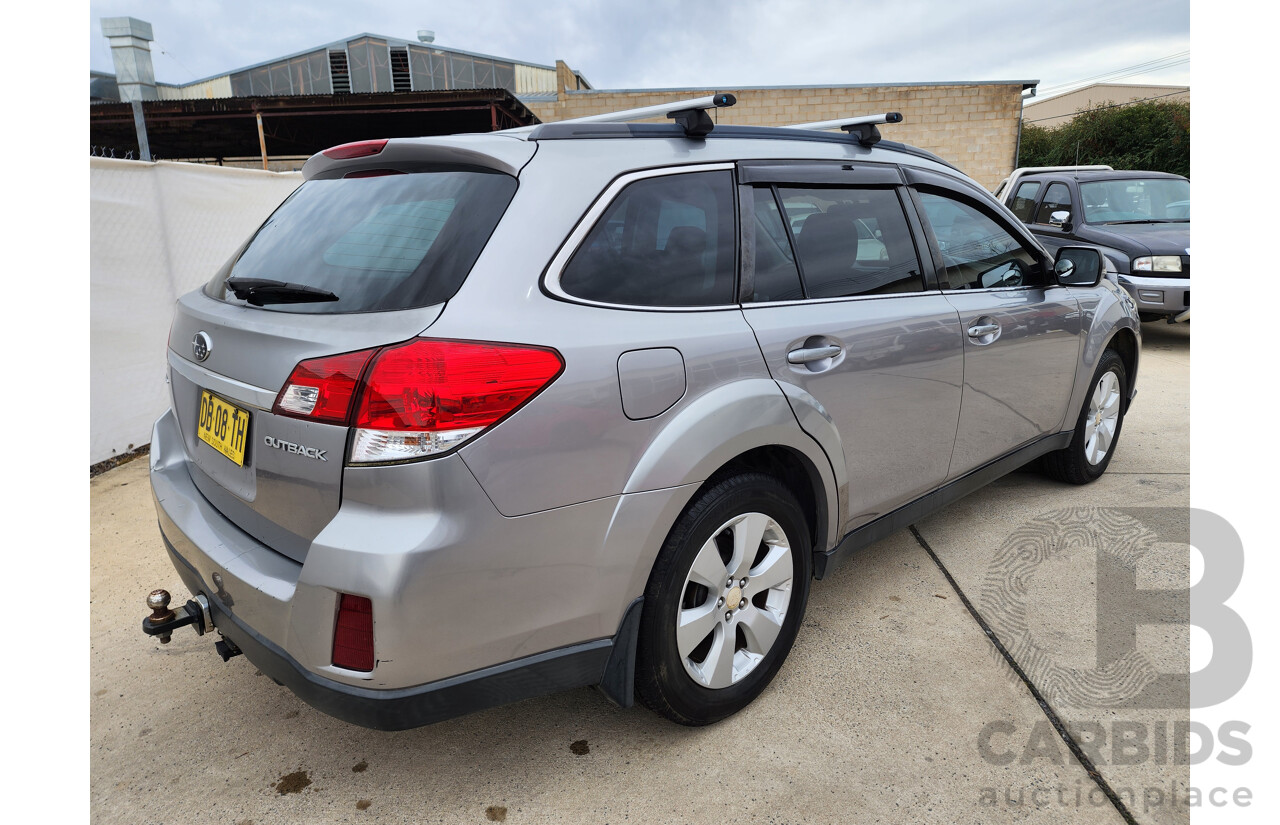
(1031, 170)
(863, 127)
(1017, 174)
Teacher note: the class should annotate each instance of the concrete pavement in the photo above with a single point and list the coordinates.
(894, 705)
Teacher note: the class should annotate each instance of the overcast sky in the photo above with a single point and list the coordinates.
(720, 43)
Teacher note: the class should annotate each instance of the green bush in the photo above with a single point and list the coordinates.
(1151, 136)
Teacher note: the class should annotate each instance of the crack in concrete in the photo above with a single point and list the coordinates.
(1083, 758)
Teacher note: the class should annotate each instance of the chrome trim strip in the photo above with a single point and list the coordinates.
(205, 378)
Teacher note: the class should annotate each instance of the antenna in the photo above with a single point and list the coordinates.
(863, 128)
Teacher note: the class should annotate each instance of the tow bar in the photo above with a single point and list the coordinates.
(163, 621)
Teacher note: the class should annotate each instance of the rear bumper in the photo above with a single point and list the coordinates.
(1164, 296)
(471, 609)
(538, 675)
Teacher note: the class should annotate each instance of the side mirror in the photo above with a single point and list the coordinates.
(1061, 219)
(1078, 266)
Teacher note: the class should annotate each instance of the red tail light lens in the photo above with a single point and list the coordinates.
(322, 389)
(429, 396)
(359, 149)
(353, 634)
(419, 398)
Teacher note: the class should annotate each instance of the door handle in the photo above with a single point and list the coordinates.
(809, 354)
(979, 330)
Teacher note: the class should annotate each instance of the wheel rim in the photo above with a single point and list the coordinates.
(735, 600)
(1103, 418)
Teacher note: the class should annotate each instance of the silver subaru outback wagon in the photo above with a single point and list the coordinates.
(477, 418)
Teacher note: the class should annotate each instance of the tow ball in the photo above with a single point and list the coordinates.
(163, 621)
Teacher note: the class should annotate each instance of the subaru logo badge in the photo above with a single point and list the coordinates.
(201, 345)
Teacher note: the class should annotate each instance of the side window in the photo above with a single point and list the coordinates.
(1057, 198)
(776, 275)
(665, 242)
(976, 251)
(851, 241)
(1025, 200)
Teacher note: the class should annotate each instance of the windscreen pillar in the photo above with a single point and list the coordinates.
(130, 41)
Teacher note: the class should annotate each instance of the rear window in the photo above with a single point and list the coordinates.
(378, 243)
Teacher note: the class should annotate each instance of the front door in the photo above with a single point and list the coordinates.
(1021, 331)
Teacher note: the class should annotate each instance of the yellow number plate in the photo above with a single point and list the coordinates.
(223, 426)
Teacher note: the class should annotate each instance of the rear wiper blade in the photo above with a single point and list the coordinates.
(263, 291)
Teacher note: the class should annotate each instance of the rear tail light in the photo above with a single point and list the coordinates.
(353, 634)
(321, 389)
(428, 396)
(419, 398)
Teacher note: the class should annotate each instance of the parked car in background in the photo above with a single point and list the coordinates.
(476, 418)
(1141, 220)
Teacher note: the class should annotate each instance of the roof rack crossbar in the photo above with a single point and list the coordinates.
(670, 110)
(863, 128)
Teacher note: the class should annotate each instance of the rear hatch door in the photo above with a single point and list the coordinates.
(390, 249)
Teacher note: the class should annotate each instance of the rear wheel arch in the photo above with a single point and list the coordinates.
(791, 467)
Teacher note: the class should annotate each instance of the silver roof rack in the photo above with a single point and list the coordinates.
(691, 114)
(863, 127)
(670, 110)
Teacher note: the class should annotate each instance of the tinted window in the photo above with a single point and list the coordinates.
(1158, 200)
(976, 251)
(1056, 199)
(776, 276)
(851, 241)
(388, 242)
(1025, 200)
(665, 241)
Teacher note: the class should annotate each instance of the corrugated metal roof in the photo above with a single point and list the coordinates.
(341, 44)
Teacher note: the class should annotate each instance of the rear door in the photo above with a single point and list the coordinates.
(834, 288)
(1022, 332)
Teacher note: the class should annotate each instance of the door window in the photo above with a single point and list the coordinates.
(1024, 202)
(848, 241)
(664, 241)
(1056, 199)
(776, 275)
(977, 252)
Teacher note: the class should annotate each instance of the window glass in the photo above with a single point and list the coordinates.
(665, 241)
(1056, 199)
(386, 242)
(1025, 200)
(851, 241)
(1160, 200)
(776, 276)
(976, 251)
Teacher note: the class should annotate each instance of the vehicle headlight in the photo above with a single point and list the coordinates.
(1157, 263)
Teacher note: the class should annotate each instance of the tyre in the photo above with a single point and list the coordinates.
(724, 601)
(1098, 427)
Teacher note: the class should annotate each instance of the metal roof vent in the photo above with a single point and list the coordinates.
(130, 41)
(426, 35)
